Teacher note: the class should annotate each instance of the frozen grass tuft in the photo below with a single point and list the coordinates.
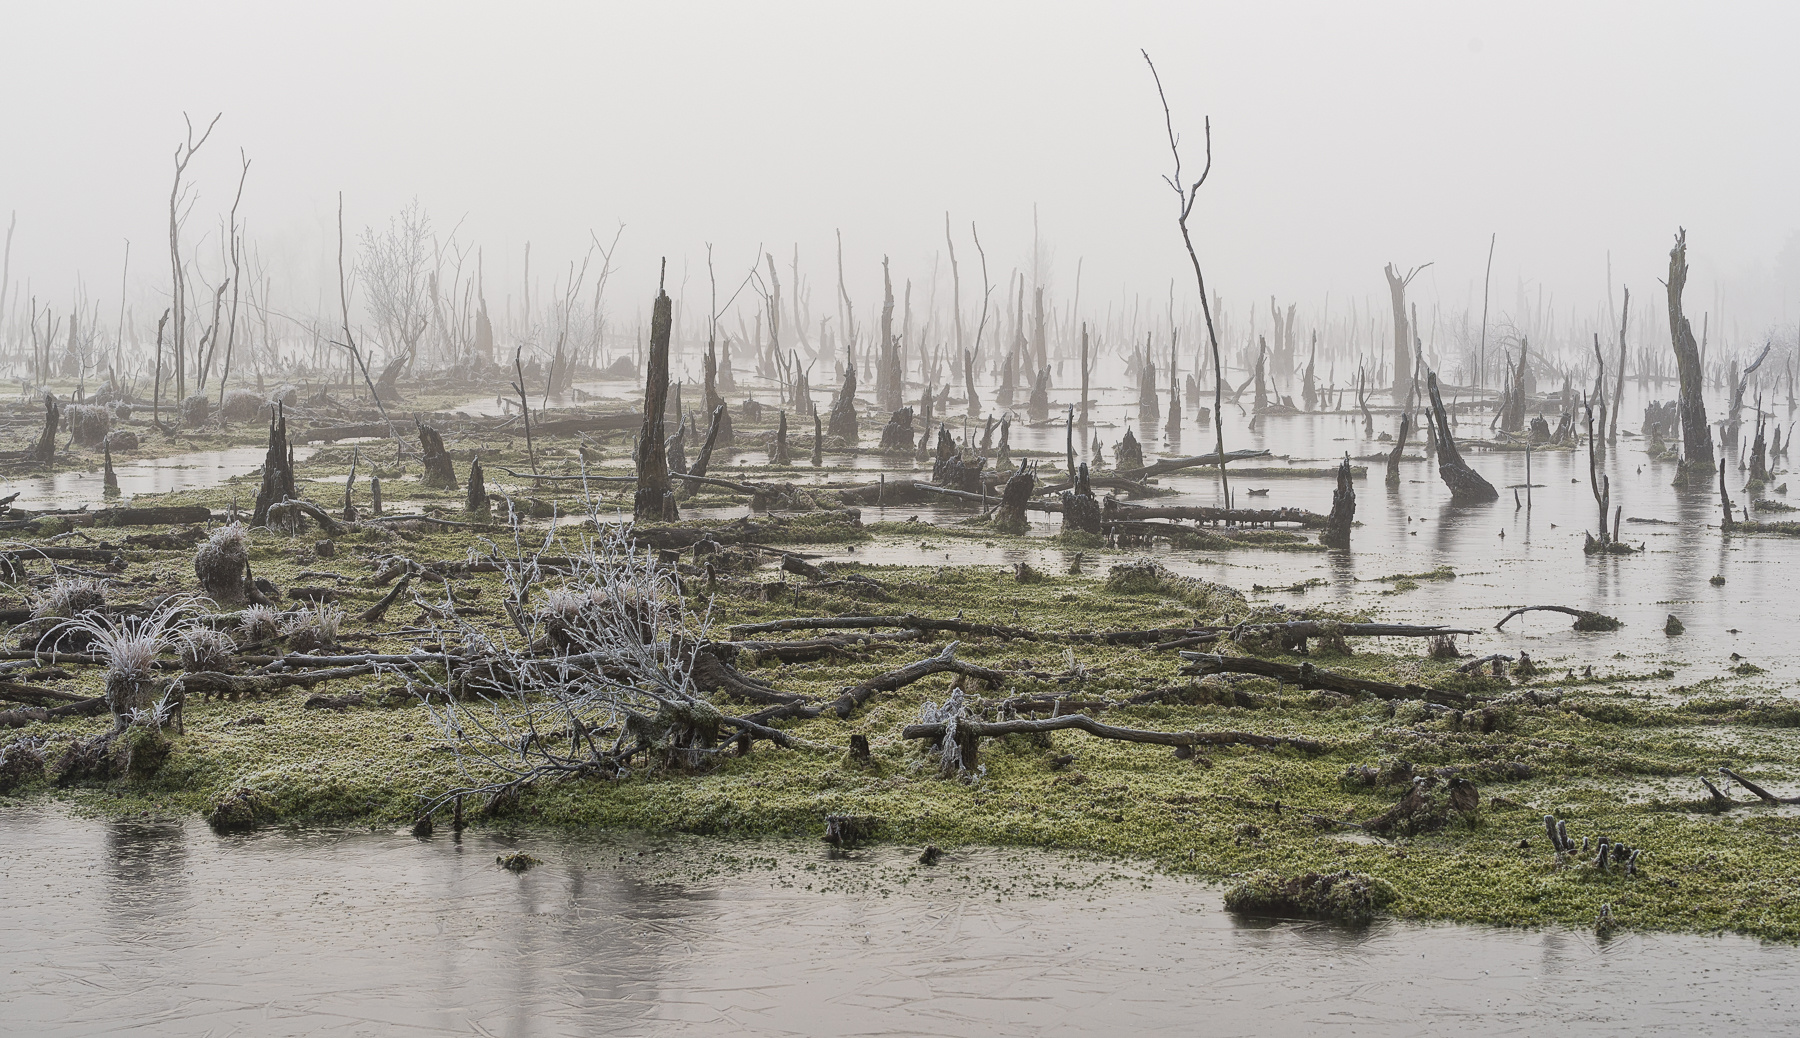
(315, 628)
(220, 562)
(204, 649)
(70, 597)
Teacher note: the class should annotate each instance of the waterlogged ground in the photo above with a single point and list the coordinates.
(159, 927)
(1620, 728)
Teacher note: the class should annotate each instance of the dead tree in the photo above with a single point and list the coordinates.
(440, 471)
(889, 370)
(1601, 484)
(1466, 485)
(477, 502)
(1343, 510)
(45, 451)
(1696, 463)
(654, 500)
(897, 435)
(1186, 195)
(1010, 516)
(1393, 458)
(277, 470)
(1612, 435)
(843, 412)
(1403, 376)
(1087, 371)
(781, 441)
(715, 432)
(818, 445)
(1037, 406)
(1733, 423)
(1081, 511)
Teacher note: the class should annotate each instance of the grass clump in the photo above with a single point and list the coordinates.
(1148, 577)
(1351, 897)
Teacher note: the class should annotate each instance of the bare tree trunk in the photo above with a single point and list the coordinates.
(1466, 485)
(1696, 438)
(889, 378)
(1612, 435)
(653, 500)
(1343, 510)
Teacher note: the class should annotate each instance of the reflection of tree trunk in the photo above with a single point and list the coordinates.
(1696, 437)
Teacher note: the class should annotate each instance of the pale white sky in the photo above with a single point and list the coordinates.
(1345, 135)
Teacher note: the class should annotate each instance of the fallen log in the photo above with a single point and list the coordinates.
(210, 683)
(803, 650)
(1585, 620)
(1293, 633)
(1307, 676)
(22, 716)
(1762, 794)
(1209, 514)
(34, 695)
(970, 731)
(909, 621)
(1176, 464)
(59, 554)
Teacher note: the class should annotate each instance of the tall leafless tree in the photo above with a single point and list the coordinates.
(1186, 194)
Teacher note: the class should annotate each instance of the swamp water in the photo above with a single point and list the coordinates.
(164, 927)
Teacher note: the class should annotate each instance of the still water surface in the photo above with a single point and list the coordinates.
(165, 928)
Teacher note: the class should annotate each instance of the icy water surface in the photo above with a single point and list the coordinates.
(165, 928)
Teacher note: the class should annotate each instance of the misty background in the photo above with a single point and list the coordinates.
(1344, 136)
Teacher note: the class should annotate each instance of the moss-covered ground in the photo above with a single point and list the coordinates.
(1615, 755)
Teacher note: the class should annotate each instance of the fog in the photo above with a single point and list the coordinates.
(1344, 137)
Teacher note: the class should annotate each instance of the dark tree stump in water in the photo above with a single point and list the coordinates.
(843, 413)
(1080, 509)
(1038, 406)
(781, 441)
(440, 471)
(1129, 454)
(1343, 511)
(1393, 459)
(898, 434)
(45, 451)
(1466, 485)
(1010, 516)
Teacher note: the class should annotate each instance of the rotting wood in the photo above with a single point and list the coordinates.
(1308, 676)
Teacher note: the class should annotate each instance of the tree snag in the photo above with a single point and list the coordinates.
(653, 500)
(1466, 485)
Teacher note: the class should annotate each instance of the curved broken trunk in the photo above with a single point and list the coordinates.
(1466, 485)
